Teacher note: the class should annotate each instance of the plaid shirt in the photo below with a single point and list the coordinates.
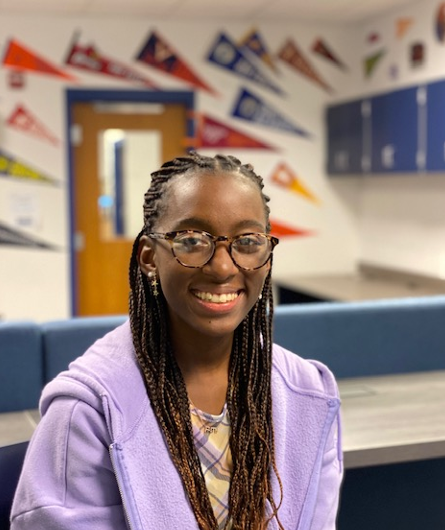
(211, 435)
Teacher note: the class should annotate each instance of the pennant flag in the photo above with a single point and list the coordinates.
(254, 43)
(11, 167)
(159, 54)
(402, 26)
(23, 120)
(279, 229)
(322, 49)
(251, 108)
(9, 236)
(417, 54)
(373, 37)
(440, 22)
(371, 62)
(226, 54)
(89, 59)
(21, 58)
(283, 176)
(291, 55)
(212, 133)
(393, 71)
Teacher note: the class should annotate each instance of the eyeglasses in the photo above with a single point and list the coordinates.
(195, 248)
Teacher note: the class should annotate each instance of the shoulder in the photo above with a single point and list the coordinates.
(296, 374)
(107, 378)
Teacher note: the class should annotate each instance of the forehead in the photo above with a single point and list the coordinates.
(218, 200)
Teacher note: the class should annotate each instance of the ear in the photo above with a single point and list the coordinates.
(146, 255)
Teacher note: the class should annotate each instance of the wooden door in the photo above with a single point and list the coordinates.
(102, 256)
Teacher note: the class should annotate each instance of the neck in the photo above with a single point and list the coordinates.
(205, 368)
(204, 355)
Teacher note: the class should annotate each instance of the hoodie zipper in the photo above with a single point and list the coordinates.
(116, 469)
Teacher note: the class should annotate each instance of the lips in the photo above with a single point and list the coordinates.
(216, 298)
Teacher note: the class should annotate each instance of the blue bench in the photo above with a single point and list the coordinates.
(11, 462)
(375, 338)
(366, 338)
(64, 340)
(353, 339)
(21, 365)
(32, 354)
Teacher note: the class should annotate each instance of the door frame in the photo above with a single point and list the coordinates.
(73, 96)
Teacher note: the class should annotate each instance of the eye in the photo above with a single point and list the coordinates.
(190, 243)
(249, 243)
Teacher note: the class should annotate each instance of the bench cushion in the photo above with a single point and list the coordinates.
(366, 338)
(21, 374)
(65, 340)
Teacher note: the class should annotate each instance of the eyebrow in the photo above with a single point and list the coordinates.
(202, 224)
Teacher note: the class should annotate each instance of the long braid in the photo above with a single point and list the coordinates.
(249, 396)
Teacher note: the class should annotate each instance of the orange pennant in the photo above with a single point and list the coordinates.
(402, 26)
(283, 176)
(21, 58)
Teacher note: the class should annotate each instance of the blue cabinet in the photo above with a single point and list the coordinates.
(394, 131)
(435, 129)
(345, 130)
(388, 133)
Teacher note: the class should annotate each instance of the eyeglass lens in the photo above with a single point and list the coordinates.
(194, 249)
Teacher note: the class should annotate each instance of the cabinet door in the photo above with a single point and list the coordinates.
(435, 145)
(345, 138)
(394, 132)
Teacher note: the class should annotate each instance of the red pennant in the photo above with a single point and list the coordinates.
(322, 49)
(373, 37)
(22, 119)
(279, 229)
(89, 59)
(215, 134)
(290, 54)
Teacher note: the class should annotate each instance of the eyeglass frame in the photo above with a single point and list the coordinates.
(169, 236)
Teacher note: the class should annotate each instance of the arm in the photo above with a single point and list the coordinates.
(67, 480)
(331, 476)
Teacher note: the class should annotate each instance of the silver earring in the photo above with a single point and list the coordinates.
(261, 296)
(154, 282)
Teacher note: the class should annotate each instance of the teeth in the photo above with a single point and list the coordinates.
(216, 298)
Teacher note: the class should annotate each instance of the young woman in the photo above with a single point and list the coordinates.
(187, 416)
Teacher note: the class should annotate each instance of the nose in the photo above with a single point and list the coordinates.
(221, 266)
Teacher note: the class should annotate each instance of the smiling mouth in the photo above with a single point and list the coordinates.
(216, 298)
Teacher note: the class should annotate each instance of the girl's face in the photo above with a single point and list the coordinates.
(223, 205)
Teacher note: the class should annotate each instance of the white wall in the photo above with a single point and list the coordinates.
(395, 221)
(35, 283)
(402, 217)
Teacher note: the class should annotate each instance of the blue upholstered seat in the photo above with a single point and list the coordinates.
(11, 461)
(65, 340)
(21, 374)
(366, 338)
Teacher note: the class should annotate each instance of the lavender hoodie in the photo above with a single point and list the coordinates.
(98, 459)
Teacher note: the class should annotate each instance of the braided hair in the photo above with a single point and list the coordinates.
(249, 389)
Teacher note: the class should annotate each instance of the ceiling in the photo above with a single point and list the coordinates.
(332, 11)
